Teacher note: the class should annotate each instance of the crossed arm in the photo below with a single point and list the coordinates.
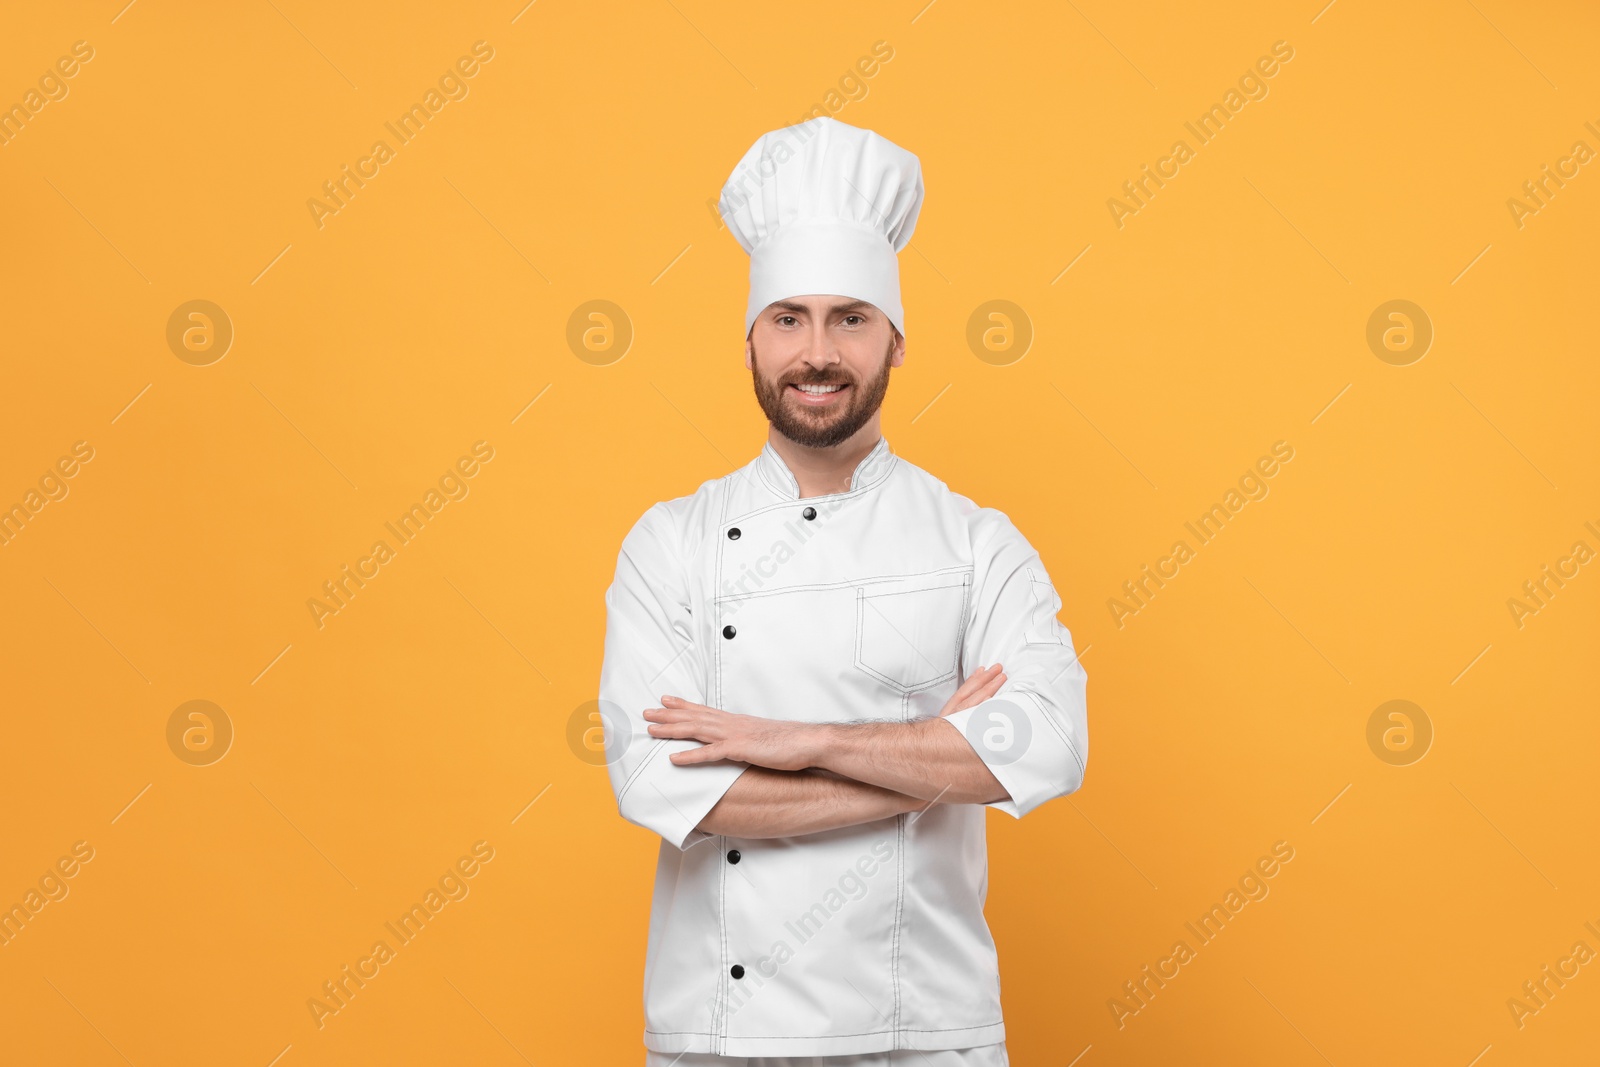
(809, 777)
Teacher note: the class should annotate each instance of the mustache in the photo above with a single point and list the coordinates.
(817, 378)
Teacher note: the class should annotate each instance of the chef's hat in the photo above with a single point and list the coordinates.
(822, 207)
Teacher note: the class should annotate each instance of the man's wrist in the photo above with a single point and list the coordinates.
(816, 741)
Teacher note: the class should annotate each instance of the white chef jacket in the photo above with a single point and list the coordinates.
(873, 603)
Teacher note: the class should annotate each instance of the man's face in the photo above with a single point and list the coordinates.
(820, 365)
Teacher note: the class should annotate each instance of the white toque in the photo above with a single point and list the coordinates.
(823, 207)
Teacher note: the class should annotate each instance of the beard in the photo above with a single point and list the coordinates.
(818, 427)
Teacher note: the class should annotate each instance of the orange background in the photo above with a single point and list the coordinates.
(1229, 313)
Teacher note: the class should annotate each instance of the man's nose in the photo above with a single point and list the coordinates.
(820, 350)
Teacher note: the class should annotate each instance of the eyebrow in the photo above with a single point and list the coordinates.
(837, 309)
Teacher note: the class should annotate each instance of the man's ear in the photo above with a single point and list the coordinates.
(749, 350)
(897, 350)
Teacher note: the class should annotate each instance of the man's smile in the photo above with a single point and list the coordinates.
(817, 396)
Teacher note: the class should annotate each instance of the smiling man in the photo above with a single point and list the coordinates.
(821, 668)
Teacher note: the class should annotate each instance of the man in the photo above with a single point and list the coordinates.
(821, 668)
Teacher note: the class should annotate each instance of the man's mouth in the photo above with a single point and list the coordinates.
(817, 395)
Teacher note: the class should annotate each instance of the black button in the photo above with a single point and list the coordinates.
(733, 533)
(809, 513)
(728, 631)
(737, 971)
(733, 855)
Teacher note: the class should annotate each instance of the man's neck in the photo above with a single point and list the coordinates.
(820, 471)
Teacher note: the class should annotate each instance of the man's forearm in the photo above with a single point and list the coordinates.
(926, 758)
(767, 803)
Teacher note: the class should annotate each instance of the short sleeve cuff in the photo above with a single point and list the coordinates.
(671, 800)
(1023, 748)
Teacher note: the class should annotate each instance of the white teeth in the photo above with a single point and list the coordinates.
(819, 390)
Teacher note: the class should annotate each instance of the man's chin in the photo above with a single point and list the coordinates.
(814, 430)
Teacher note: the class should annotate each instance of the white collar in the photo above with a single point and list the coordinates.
(872, 469)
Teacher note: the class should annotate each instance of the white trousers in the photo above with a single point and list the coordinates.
(984, 1056)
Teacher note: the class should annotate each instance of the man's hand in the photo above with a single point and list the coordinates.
(778, 744)
(775, 743)
(980, 685)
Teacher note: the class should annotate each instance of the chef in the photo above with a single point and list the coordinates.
(821, 668)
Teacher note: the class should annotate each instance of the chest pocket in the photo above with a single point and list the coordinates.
(909, 630)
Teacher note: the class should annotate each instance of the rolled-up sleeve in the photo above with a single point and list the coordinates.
(1033, 734)
(650, 651)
